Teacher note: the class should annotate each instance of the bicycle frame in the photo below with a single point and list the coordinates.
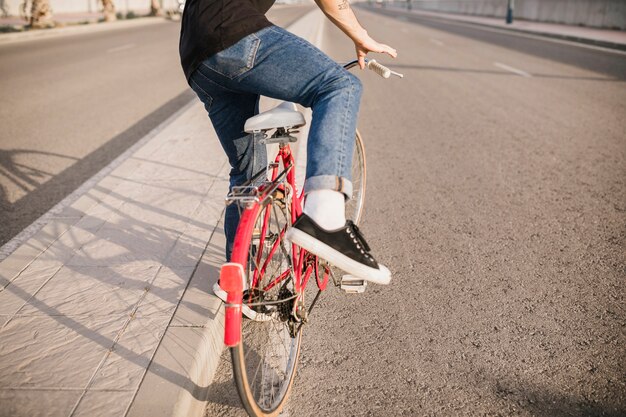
(304, 263)
(287, 179)
(298, 255)
(232, 276)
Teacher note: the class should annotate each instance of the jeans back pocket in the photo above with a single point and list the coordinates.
(236, 59)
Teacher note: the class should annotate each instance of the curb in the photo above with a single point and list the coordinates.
(14, 37)
(457, 19)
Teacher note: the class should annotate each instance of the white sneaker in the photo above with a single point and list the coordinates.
(219, 292)
(245, 310)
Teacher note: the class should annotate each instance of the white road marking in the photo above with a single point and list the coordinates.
(513, 70)
(121, 48)
(436, 41)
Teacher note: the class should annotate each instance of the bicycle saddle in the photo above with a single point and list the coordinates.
(284, 115)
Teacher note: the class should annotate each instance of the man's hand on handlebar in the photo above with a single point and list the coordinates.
(340, 13)
(365, 44)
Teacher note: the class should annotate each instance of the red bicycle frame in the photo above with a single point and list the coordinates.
(232, 276)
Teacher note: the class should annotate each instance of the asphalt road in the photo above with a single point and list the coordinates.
(497, 196)
(72, 104)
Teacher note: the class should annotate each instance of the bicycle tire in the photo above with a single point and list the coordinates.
(354, 207)
(268, 349)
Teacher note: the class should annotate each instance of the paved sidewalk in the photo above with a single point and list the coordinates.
(600, 37)
(73, 26)
(63, 18)
(107, 310)
(71, 18)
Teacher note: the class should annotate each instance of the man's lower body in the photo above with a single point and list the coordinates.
(275, 63)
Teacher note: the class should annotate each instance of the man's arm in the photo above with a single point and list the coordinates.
(340, 13)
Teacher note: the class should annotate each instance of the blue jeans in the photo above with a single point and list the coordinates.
(275, 63)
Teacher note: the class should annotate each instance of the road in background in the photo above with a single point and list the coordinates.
(594, 59)
(497, 196)
(74, 103)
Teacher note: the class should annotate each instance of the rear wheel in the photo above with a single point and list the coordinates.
(265, 361)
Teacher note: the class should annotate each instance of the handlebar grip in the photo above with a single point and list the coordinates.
(379, 69)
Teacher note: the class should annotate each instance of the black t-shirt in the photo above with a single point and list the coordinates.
(210, 26)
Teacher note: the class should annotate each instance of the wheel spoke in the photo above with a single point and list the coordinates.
(280, 338)
(254, 378)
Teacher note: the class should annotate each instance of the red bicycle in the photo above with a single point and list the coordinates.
(267, 276)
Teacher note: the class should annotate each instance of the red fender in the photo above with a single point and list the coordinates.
(232, 281)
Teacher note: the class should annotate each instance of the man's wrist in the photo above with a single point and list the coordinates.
(359, 35)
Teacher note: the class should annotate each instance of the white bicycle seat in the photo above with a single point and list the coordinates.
(285, 115)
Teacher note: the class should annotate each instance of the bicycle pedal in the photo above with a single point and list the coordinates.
(353, 285)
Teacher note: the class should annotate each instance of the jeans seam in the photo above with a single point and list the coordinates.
(252, 57)
(215, 71)
(342, 155)
(302, 42)
(218, 85)
(206, 94)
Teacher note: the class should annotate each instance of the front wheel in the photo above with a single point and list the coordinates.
(265, 360)
(354, 207)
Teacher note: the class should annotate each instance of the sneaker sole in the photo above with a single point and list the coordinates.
(338, 259)
(245, 310)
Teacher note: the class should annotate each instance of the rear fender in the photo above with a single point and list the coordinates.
(232, 281)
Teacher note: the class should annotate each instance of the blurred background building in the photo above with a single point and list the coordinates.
(608, 14)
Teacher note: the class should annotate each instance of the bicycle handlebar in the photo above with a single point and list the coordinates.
(378, 68)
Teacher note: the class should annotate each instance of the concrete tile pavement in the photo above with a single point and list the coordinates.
(107, 310)
(88, 302)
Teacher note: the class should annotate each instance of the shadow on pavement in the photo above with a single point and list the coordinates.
(100, 273)
(543, 403)
(17, 215)
(223, 392)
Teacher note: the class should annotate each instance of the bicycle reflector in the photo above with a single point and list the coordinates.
(232, 281)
